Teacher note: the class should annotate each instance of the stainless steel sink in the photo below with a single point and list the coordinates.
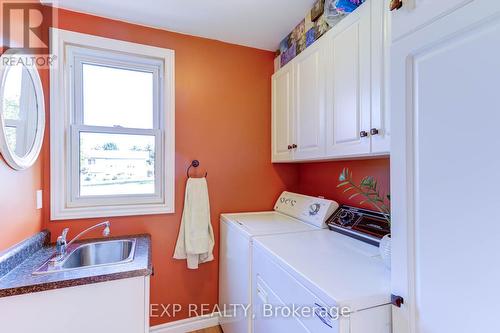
(103, 253)
(91, 255)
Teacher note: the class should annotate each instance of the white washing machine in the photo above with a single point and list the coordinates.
(293, 213)
(334, 283)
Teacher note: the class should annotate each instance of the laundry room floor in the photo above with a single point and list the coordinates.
(215, 329)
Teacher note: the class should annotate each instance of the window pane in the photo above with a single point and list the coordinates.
(117, 97)
(11, 134)
(116, 164)
(12, 93)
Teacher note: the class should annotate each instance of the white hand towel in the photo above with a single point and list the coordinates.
(196, 236)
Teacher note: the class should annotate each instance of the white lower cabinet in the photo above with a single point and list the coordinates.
(329, 102)
(113, 306)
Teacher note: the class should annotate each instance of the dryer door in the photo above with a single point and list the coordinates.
(282, 304)
(267, 312)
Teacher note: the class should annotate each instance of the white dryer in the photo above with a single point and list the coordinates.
(293, 213)
(319, 282)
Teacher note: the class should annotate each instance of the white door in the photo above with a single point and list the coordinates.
(282, 115)
(309, 88)
(348, 86)
(445, 164)
(416, 14)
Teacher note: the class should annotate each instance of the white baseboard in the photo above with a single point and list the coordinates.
(187, 325)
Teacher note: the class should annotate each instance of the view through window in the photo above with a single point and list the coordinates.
(122, 100)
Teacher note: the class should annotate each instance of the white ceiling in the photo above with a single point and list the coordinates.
(256, 23)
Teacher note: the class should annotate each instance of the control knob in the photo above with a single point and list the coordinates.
(314, 209)
(346, 217)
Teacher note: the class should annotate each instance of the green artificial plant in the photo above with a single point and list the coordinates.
(368, 188)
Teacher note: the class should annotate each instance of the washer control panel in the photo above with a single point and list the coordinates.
(311, 210)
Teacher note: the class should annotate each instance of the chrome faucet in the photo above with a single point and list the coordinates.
(62, 245)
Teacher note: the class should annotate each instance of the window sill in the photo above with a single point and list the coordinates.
(110, 211)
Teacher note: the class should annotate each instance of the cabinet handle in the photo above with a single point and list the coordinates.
(294, 146)
(363, 134)
(397, 301)
(374, 131)
(396, 4)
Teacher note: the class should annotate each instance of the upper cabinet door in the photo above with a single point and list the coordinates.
(380, 130)
(348, 86)
(309, 93)
(282, 115)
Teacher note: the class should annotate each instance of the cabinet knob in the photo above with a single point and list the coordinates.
(294, 146)
(396, 4)
(374, 131)
(289, 147)
(363, 134)
(397, 301)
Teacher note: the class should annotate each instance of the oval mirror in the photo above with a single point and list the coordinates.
(22, 111)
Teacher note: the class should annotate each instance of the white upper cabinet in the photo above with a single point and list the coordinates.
(282, 113)
(380, 130)
(329, 102)
(348, 86)
(309, 94)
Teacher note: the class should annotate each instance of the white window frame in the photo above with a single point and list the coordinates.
(72, 50)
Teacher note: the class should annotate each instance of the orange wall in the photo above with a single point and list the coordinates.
(223, 114)
(19, 218)
(322, 178)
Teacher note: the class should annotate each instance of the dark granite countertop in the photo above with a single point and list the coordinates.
(20, 280)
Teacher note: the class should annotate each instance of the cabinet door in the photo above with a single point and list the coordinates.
(282, 115)
(348, 86)
(309, 93)
(380, 117)
(444, 167)
(120, 306)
